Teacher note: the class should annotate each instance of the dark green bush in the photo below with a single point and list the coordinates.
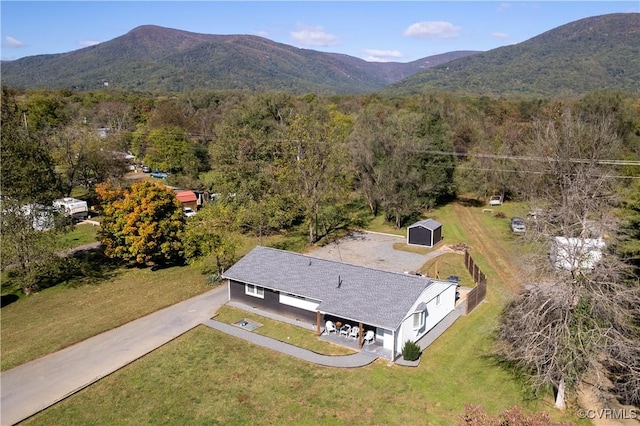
(410, 351)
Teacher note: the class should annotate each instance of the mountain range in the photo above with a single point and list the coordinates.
(585, 55)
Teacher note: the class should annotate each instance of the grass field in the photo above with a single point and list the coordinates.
(79, 235)
(207, 377)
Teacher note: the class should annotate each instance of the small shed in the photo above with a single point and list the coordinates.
(425, 233)
(188, 199)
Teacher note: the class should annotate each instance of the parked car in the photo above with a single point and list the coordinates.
(518, 225)
(495, 200)
(158, 174)
(146, 169)
(188, 211)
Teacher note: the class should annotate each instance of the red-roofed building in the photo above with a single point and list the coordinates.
(188, 199)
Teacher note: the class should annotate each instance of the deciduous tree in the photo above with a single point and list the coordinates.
(142, 224)
(399, 161)
(28, 172)
(315, 162)
(209, 233)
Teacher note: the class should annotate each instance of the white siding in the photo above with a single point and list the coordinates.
(384, 336)
(435, 311)
(299, 302)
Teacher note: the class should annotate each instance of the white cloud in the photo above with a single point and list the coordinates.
(501, 36)
(432, 29)
(313, 36)
(12, 42)
(87, 43)
(375, 55)
(503, 7)
(261, 33)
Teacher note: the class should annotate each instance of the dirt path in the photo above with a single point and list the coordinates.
(480, 239)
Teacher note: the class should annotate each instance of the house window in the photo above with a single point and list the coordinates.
(254, 290)
(419, 319)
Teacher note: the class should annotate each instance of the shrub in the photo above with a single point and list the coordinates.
(410, 351)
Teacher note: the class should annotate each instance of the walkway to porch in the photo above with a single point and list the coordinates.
(375, 348)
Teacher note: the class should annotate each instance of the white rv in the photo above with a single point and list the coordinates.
(72, 207)
(576, 253)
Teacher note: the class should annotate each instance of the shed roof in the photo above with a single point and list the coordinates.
(186, 196)
(428, 224)
(375, 297)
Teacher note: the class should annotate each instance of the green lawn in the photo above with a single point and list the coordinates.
(446, 265)
(284, 332)
(206, 377)
(79, 235)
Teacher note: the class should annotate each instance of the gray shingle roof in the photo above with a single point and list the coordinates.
(375, 297)
(427, 223)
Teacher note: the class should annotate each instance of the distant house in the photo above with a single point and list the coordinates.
(576, 253)
(397, 307)
(426, 233)
(187, 198)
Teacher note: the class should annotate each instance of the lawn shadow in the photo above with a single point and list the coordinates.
(470, 202)
(90, 267)
(7, 299)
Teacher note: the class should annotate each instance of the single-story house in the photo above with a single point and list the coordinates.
(398, 307)
(426, 233)
(187, 198)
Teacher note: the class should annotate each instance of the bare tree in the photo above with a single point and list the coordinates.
(576, 319)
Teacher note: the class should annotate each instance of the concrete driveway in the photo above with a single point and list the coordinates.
(375, 250)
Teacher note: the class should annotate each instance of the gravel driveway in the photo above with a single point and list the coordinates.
(374, 250)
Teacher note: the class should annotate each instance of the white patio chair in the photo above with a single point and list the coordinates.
(345, 329)
(330, 327)
(355, 332)
(369, 336)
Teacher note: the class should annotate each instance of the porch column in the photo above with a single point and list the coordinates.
(360, 335)
(393, 349)
(317, 323)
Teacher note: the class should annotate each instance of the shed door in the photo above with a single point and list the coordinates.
(419, 235)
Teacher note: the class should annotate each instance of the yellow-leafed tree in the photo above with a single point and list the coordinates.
(142, 224)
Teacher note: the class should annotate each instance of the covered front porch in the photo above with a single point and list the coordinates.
(344, 335)
(374, 348)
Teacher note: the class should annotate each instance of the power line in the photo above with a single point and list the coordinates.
(527, 158)
(486, 169)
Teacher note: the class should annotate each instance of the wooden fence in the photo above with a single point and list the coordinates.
(477, 295)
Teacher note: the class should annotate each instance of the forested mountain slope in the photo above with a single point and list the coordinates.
(157, 59)
(601, 52)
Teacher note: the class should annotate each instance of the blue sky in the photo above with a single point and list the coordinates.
(371, 30)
